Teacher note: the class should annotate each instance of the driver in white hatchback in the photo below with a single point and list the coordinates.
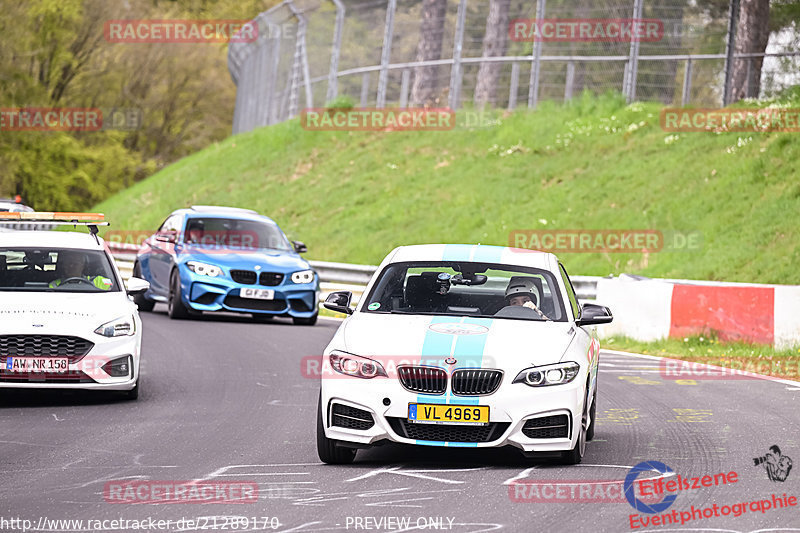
(72, 269)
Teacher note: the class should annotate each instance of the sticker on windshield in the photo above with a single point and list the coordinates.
(373, 306)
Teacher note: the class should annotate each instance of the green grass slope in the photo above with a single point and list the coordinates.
(593, 164)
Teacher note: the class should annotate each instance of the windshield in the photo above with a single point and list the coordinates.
(467, 289)
(56, 269)
(234, 233)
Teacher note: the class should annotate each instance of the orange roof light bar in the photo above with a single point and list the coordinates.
(54, 216)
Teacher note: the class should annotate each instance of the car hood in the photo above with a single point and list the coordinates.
(60, 312)
(276, 260)
(472, 342)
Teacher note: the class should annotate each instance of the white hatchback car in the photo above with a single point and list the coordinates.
(462, 346)
(66, 319)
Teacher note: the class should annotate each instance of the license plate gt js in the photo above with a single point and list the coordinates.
(258, 294)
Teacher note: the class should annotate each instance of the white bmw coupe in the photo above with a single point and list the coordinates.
(462, 346)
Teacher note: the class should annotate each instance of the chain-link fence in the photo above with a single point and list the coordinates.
(460, 54)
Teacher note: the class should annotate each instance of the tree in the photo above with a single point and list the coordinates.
(752, 36)
(426, 79)
(495, 44)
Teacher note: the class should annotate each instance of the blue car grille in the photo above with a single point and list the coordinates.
(270, 279)
(248, 277)
(238, 302)
(245, 277)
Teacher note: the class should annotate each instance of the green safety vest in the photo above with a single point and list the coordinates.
(100, 282)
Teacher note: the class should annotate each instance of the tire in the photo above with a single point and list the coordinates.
(139, 299)
(175, 307)
(328, 451)
(575, 455)
(310, 321)
(592, 416)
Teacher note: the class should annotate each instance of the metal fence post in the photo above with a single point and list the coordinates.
(729, 50)
(569, 81)
(455, 72)
(533, 87)
(512, 91)
(364, 89)
(383, 79)
(633, 56)
(404, 88)
(300, 63)
(747, 77)
(333, 80)
(687, 83)
(272, 94)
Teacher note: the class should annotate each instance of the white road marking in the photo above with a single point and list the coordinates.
(266, 474)
(415, 473)
(527, 471)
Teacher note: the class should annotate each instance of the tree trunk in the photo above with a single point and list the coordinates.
(752, 36)
(495, 44)
(426, 79)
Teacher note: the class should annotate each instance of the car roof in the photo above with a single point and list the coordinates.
(50, 239)
(11, 205)
(479, 253)
(215, 211)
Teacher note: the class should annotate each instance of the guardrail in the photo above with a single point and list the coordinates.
(337, 276)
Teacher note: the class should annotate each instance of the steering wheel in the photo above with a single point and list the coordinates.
(75, 279)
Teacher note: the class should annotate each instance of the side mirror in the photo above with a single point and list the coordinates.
(593, 314)
(299, 247)
(339, 302)
(167, 236)
(136, 286)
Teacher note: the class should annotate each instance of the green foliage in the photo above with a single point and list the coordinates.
(596, 163)
(341, 102)
(63, 173)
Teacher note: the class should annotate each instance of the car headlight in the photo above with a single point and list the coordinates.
(543, 376)
(204, 269)
(121, 327)
(304, 276)
(355, 365)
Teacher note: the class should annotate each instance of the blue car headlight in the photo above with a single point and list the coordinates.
(304, 276)
(546, 375)
(204, 269)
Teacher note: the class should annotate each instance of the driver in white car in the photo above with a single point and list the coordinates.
(72, 264)
(522, 291)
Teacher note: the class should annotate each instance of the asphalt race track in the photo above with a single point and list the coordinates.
(224, 399)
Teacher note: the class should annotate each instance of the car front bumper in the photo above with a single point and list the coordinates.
(203, 293)
(510, 408)
(85, 371)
